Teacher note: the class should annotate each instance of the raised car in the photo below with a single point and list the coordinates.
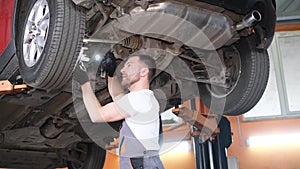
(216, 50)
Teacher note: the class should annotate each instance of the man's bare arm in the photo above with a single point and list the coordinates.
(96, 111)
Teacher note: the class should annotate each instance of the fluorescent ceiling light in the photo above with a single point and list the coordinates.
(274, 140)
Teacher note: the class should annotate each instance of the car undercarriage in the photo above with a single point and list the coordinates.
(213, 51)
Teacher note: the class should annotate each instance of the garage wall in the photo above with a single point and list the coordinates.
(282, 119)
(274, 157)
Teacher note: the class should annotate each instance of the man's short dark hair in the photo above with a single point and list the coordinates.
(149, 61)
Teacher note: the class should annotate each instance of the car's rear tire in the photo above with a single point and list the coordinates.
(48, 48)
(250, 83)
(92, 157)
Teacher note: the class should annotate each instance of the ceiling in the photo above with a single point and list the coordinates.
(288, 11)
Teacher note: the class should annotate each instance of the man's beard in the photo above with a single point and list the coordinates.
(126, 83)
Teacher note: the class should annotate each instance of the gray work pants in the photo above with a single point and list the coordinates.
(150, 159)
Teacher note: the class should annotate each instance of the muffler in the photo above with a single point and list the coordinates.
(248, 20)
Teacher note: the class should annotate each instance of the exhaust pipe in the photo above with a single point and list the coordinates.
(248, 20)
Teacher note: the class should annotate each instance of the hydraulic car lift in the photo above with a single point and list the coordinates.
(211, 135)
(7, 88)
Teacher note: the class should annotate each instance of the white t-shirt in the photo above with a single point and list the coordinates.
(142, 111)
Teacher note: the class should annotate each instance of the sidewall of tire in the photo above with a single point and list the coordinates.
(29, 74)
(251, 84)
(45, 74)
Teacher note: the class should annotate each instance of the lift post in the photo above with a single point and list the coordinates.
(7, 88)
(211, 134)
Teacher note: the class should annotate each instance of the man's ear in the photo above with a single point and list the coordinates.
(144, 72)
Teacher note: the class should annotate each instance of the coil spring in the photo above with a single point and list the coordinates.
(133, 42)
(199, 70)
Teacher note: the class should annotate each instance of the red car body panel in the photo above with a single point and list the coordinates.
(6, 17)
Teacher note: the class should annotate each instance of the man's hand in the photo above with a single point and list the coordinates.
(108, 64)
(80, 73)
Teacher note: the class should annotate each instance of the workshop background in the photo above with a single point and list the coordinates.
(267, 137)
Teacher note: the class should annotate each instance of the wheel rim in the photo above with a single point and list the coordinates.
(36, 32)
(232, 62)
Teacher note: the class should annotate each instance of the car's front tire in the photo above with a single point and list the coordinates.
(49, 34)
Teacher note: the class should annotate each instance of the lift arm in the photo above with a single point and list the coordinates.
(7, 88)
(206, 124)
